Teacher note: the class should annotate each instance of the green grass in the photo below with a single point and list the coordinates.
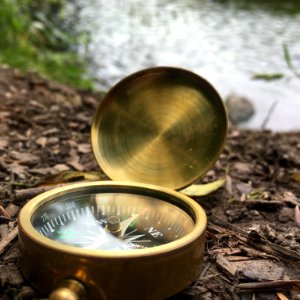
(36, 38)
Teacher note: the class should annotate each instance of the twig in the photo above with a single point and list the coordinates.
(269, 114)
(25, 194)
(8, 239)
(205, 269)
(265, 204)
(259, 242)
(268, 285)
(4, 213)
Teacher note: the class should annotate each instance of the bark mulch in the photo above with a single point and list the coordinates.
(253, 234)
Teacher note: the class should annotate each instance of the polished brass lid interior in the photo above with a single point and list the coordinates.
(164, 126)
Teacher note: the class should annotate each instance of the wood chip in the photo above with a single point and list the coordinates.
(3, 143)
(27, 159)
(281, 296)
(265, 286)
(6, 240)
(12, 210)
(226, 266)
(22, 195)
(84, 148)
(10, 275)
(260, 269)
(42, 141)
(297, 215)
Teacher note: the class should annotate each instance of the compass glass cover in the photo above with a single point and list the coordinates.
(111, 220)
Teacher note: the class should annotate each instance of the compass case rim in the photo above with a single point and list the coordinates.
(28, 210)
(158, 273)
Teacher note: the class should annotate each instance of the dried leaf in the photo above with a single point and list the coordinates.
(3, 142)
(203, 189)
(243, 168)
(296, 176)
(42, 141)
(281, 296)
(74, 161)
(70, 176)
(16, 168)
(297, 215)
(41, 171)
(260, 269)
(84, 148)
(60, 168)
(228, 184)
(25, 158)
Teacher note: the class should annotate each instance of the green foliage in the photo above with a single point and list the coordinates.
(268, 77)
(38, 36)
(288, 60)
(276, 76)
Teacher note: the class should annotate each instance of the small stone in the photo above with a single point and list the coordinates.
(53, 141)
(280, 238)
(269, 232)
(289, 236)
(254, 213)
(26, 293)
(285, 215)
(297, 236)
(240, 109)
(294, 246)
(41, 141)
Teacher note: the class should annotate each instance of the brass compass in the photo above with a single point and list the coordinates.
(155, 132)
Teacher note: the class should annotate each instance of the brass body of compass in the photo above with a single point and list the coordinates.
(156, 131)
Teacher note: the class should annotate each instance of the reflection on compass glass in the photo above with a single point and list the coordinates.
(111, 221)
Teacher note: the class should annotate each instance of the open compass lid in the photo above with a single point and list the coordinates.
(164, 126)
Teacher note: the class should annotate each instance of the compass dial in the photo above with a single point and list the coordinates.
(111, 221)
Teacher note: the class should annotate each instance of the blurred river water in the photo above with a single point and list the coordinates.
(227, 42)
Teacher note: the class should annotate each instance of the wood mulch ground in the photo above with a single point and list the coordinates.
(253, 235)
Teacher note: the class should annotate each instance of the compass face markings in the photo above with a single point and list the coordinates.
(81, 221)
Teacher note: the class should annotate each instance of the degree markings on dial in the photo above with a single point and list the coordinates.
(46, 229)
(88, 212)
(73, 215)
(49, 226)
(60, 220)
(64, 217)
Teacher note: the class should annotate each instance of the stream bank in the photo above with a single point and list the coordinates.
(227, 42)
